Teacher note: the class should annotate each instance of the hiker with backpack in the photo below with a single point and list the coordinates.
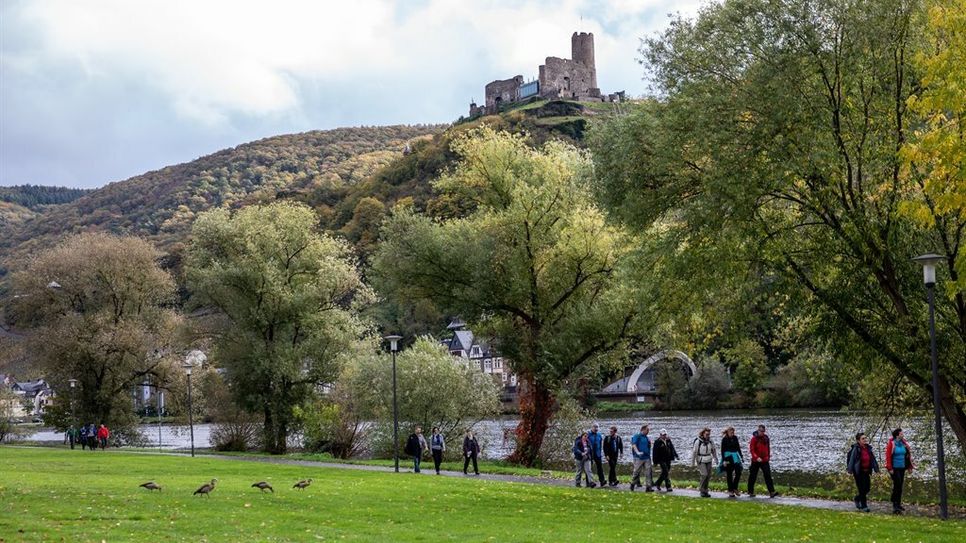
(437, 447)
(862, 464)
(663, 454)
(760, 450)
(703, 456)
(415, 446)
(898, 461)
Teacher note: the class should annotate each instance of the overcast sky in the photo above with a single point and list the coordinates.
(98, 91)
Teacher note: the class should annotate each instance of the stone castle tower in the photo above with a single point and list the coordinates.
(582, 50)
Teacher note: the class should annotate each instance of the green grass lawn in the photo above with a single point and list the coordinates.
(53, 495)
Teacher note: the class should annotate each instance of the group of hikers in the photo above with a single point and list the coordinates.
(591, 449)
(89, 436)
(417, 444)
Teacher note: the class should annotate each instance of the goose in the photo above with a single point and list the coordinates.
(206, 488)
(263, 486)
(151, 485)
(302, 484)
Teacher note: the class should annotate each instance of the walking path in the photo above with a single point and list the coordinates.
(814, 503)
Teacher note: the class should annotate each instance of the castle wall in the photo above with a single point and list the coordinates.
(582, 51)
(502, 91)
(566, 78)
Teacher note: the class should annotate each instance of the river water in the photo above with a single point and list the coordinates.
(801, 440)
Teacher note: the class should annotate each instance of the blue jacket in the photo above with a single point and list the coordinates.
(578, 449)
(596, 441)
(643, 444)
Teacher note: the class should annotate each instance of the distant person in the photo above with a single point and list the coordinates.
(581, 450)
(703, 456)
(437, 446)
(760, 451)
(71, 436)
(641, 451)
(597, 452)
(471, 450)
(82, 436)
(102, 436)
(731, 460)
(663, 454)
(415, 446)
(91, 437)
(898, 462)
(613, 450)
(861, 465)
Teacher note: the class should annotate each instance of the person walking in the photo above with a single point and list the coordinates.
(861, 465)
(437, 446)
(731, 460)
(82, 435)
(471, 449)
(663, 454)
(614, 450)
(91, 437)
(641, 450)
(415, 446)
(898, 462)
(102, 436)
(582, 455)
(760, 450)
(71, 435)
(703, 456)
(597, 452)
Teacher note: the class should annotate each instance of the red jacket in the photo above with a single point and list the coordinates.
(889, 448)
(103, 433)
(760, 448)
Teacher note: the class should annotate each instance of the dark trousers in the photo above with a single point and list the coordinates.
(863, 483)
(598, 463)
(898, 478)
(612, 472)
(665, 475)
(103, 442)
(466, 463)
(753, 476)
(417, 459)
(437, 458)
(83, 440)
(71, 439)
(733, 471)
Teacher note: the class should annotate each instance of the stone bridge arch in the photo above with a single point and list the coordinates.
(654, 359)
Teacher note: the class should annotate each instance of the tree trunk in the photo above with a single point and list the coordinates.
(536, 407)
(953, 413)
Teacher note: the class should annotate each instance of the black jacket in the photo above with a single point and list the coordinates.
(663, 451)
(609, 444)
(471, 446)
(413, 447)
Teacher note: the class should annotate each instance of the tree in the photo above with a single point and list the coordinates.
(535, 264)
(751, 368)
(99, 308)
(288, 297)
(709, 386)
(775, 147)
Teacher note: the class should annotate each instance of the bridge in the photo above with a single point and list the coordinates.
(640, 385)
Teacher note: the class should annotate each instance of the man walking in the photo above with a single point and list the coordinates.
(71, 435)
(613, 449)
(102, 436)
(596, 441)
(760, 449)
(437, 446)
(664, 454)
(641, 449)
(415, 446)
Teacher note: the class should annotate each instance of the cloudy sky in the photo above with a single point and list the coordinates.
(97, 91)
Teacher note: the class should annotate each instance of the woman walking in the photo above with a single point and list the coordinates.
(471, 449)
(704, 455)
(731, 460)
(898, 461)
(861, 465)
(581, 452)
(437, 446)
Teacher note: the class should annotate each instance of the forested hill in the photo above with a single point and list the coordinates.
(162, 204)
(36, 197)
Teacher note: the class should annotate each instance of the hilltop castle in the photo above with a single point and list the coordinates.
(567, 78)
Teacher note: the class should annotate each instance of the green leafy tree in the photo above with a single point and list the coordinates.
(775, 148)
(750, 367)
(288, 297)
(536, 264)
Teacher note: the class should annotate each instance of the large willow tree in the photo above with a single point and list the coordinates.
(287, 296)
(536, 263)
(776, 145)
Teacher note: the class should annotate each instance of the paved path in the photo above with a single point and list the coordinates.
(832, 505)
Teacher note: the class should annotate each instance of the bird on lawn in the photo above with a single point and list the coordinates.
(302, 484)
(206, 488)
(263, 486)
(151, 485)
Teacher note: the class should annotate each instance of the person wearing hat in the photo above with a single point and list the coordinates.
(663, 455)
(613, 450)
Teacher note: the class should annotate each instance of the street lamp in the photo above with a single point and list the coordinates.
(928, 262)
(191, 425)
(73, 384)
(394, 346)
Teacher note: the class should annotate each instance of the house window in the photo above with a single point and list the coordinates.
(476, 352)
(488, 364)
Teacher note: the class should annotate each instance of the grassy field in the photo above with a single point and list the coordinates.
(53, 495)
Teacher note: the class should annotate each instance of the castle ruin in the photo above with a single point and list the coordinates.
(559, 78)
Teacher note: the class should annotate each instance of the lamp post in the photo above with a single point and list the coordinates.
(928, 262)
(191, 425)
(393, 347)
(73, 385)
(157, 401)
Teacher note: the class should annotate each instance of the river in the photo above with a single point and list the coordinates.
(801, 439)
